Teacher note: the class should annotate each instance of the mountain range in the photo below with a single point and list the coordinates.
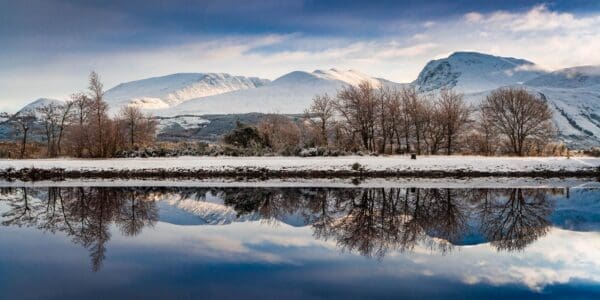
(572, 93)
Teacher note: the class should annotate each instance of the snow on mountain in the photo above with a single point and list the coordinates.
(167, 91)
(576, 113)
(576, 77)
(470, 72)
(4, 117)
(33, 106)
(573, 94)
(291, 93)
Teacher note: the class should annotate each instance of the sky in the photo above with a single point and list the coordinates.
(48, 47)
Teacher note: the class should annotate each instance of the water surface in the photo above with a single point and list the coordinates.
(299, 242)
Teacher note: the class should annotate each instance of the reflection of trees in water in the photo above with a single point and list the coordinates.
(84, 214)
(513, 219)
(369, 221)
(374, 221)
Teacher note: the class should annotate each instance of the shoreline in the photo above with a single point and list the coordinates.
(402, 182)
(244, 168)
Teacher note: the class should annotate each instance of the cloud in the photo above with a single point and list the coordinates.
(538, 18)
(396, 50)
(473, 17)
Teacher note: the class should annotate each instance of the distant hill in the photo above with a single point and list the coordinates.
(182, 99)
(472, 72)
(167, 91)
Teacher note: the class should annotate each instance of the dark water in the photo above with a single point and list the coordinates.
(288, 243)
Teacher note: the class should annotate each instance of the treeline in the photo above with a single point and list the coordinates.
(358, 119)
(82, 126)
(384, 120)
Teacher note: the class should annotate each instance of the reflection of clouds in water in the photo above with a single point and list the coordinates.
(413, 232)
(556, 258)
(559, 257)
(246, 242)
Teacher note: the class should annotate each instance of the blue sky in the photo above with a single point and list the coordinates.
(49, 46)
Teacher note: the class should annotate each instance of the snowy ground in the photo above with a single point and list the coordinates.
(405, 182)
(369, 163)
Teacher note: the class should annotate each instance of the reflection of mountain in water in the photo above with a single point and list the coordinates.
(369, 221)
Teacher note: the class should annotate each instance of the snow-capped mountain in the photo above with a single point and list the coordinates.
(33, 106)
(291, 93)
(573, 94)
(471, 72)
(167, 91)
(576, 77)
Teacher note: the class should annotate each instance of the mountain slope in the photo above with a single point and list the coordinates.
(166, 91)
(7, 130)
(470, 72)
(573, 94)
(576, 77)
(291, 94)
(33, 106)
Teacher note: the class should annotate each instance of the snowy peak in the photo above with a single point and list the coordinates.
(291, 93)
(33, 106)
(167, 91)
(475, 72)
(350, 77)
(576, 77)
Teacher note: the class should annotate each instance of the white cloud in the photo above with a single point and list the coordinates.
(551, 39)
(539, 18)
(473, 17)
(429, 24)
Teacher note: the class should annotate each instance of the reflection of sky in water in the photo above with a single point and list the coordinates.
(258, 259)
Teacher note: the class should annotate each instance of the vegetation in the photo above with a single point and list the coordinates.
(82, 127)
(384, 121)
(359, 119)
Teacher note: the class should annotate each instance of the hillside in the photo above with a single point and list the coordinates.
(183, 100)
(288, 94)
(471, 72)
(167, 91)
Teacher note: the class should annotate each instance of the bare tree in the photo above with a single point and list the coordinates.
(385, 124)
(519, 116)
(484, 138)
(132, 116)
(98, 115)
(454, 115)
(54, 117)
(49, 115)
(81, 111)
(65, 119)
(417, 115)
(357, 106)
(319, 115)
(139, 128)
(23, 122)
(279, 133)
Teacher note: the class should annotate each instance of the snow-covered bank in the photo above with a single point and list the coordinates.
(322, 166)
(400, 182)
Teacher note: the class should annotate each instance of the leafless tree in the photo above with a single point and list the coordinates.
(519, 116)
(320, 115)
(78, 134)
(98, 114)
(454, 115)
(280, 133)
(23, 122)
(357, 105)
(54, 118)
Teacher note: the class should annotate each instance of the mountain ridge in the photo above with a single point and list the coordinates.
(572, 93)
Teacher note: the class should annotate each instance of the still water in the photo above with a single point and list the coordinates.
(298, 242)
